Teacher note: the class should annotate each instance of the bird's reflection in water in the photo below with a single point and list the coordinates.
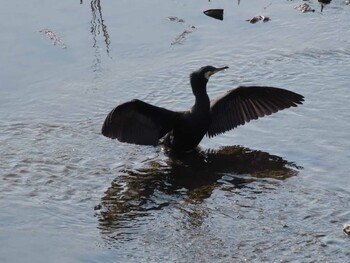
(324, 3)
(135, 195)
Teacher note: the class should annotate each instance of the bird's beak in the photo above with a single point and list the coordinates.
(219, 69)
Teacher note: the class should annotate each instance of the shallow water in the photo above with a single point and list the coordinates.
(274, 190)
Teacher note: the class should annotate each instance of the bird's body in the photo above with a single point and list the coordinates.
(189, 130)
(141, 123)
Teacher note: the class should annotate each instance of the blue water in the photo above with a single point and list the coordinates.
(274, 190)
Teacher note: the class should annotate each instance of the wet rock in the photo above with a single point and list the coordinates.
(304, 8)
(57, 40)
(346, 229)
(255, 19)
(215, 13)
(181, 37)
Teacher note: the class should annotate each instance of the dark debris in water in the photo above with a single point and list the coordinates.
(52, 35)
(176, 19)
(215, 13)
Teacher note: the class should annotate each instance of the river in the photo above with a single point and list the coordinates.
(274, 190)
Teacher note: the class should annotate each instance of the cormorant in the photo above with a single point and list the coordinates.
(141, 123)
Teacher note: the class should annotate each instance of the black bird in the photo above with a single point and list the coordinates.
(141, 123)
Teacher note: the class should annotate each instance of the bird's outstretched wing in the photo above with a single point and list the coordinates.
(243, 104)
(138, 122)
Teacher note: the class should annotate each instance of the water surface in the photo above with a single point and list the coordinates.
(274, 190)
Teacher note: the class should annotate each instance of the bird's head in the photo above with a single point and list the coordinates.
(206, 72)
(200, 77)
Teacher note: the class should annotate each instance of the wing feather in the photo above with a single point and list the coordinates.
(138, 122)
(257, 108)
(247, 103)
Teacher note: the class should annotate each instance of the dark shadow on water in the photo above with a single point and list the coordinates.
(136, 194)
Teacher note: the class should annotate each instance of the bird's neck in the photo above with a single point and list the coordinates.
(201, 107)
(202, 100)
(199, 88)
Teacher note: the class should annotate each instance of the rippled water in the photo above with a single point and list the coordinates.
(275, 190)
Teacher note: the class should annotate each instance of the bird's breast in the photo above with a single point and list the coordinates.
(191, 131)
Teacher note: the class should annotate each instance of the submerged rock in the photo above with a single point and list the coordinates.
(57, 40)
(181, 37)
(215, 13)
